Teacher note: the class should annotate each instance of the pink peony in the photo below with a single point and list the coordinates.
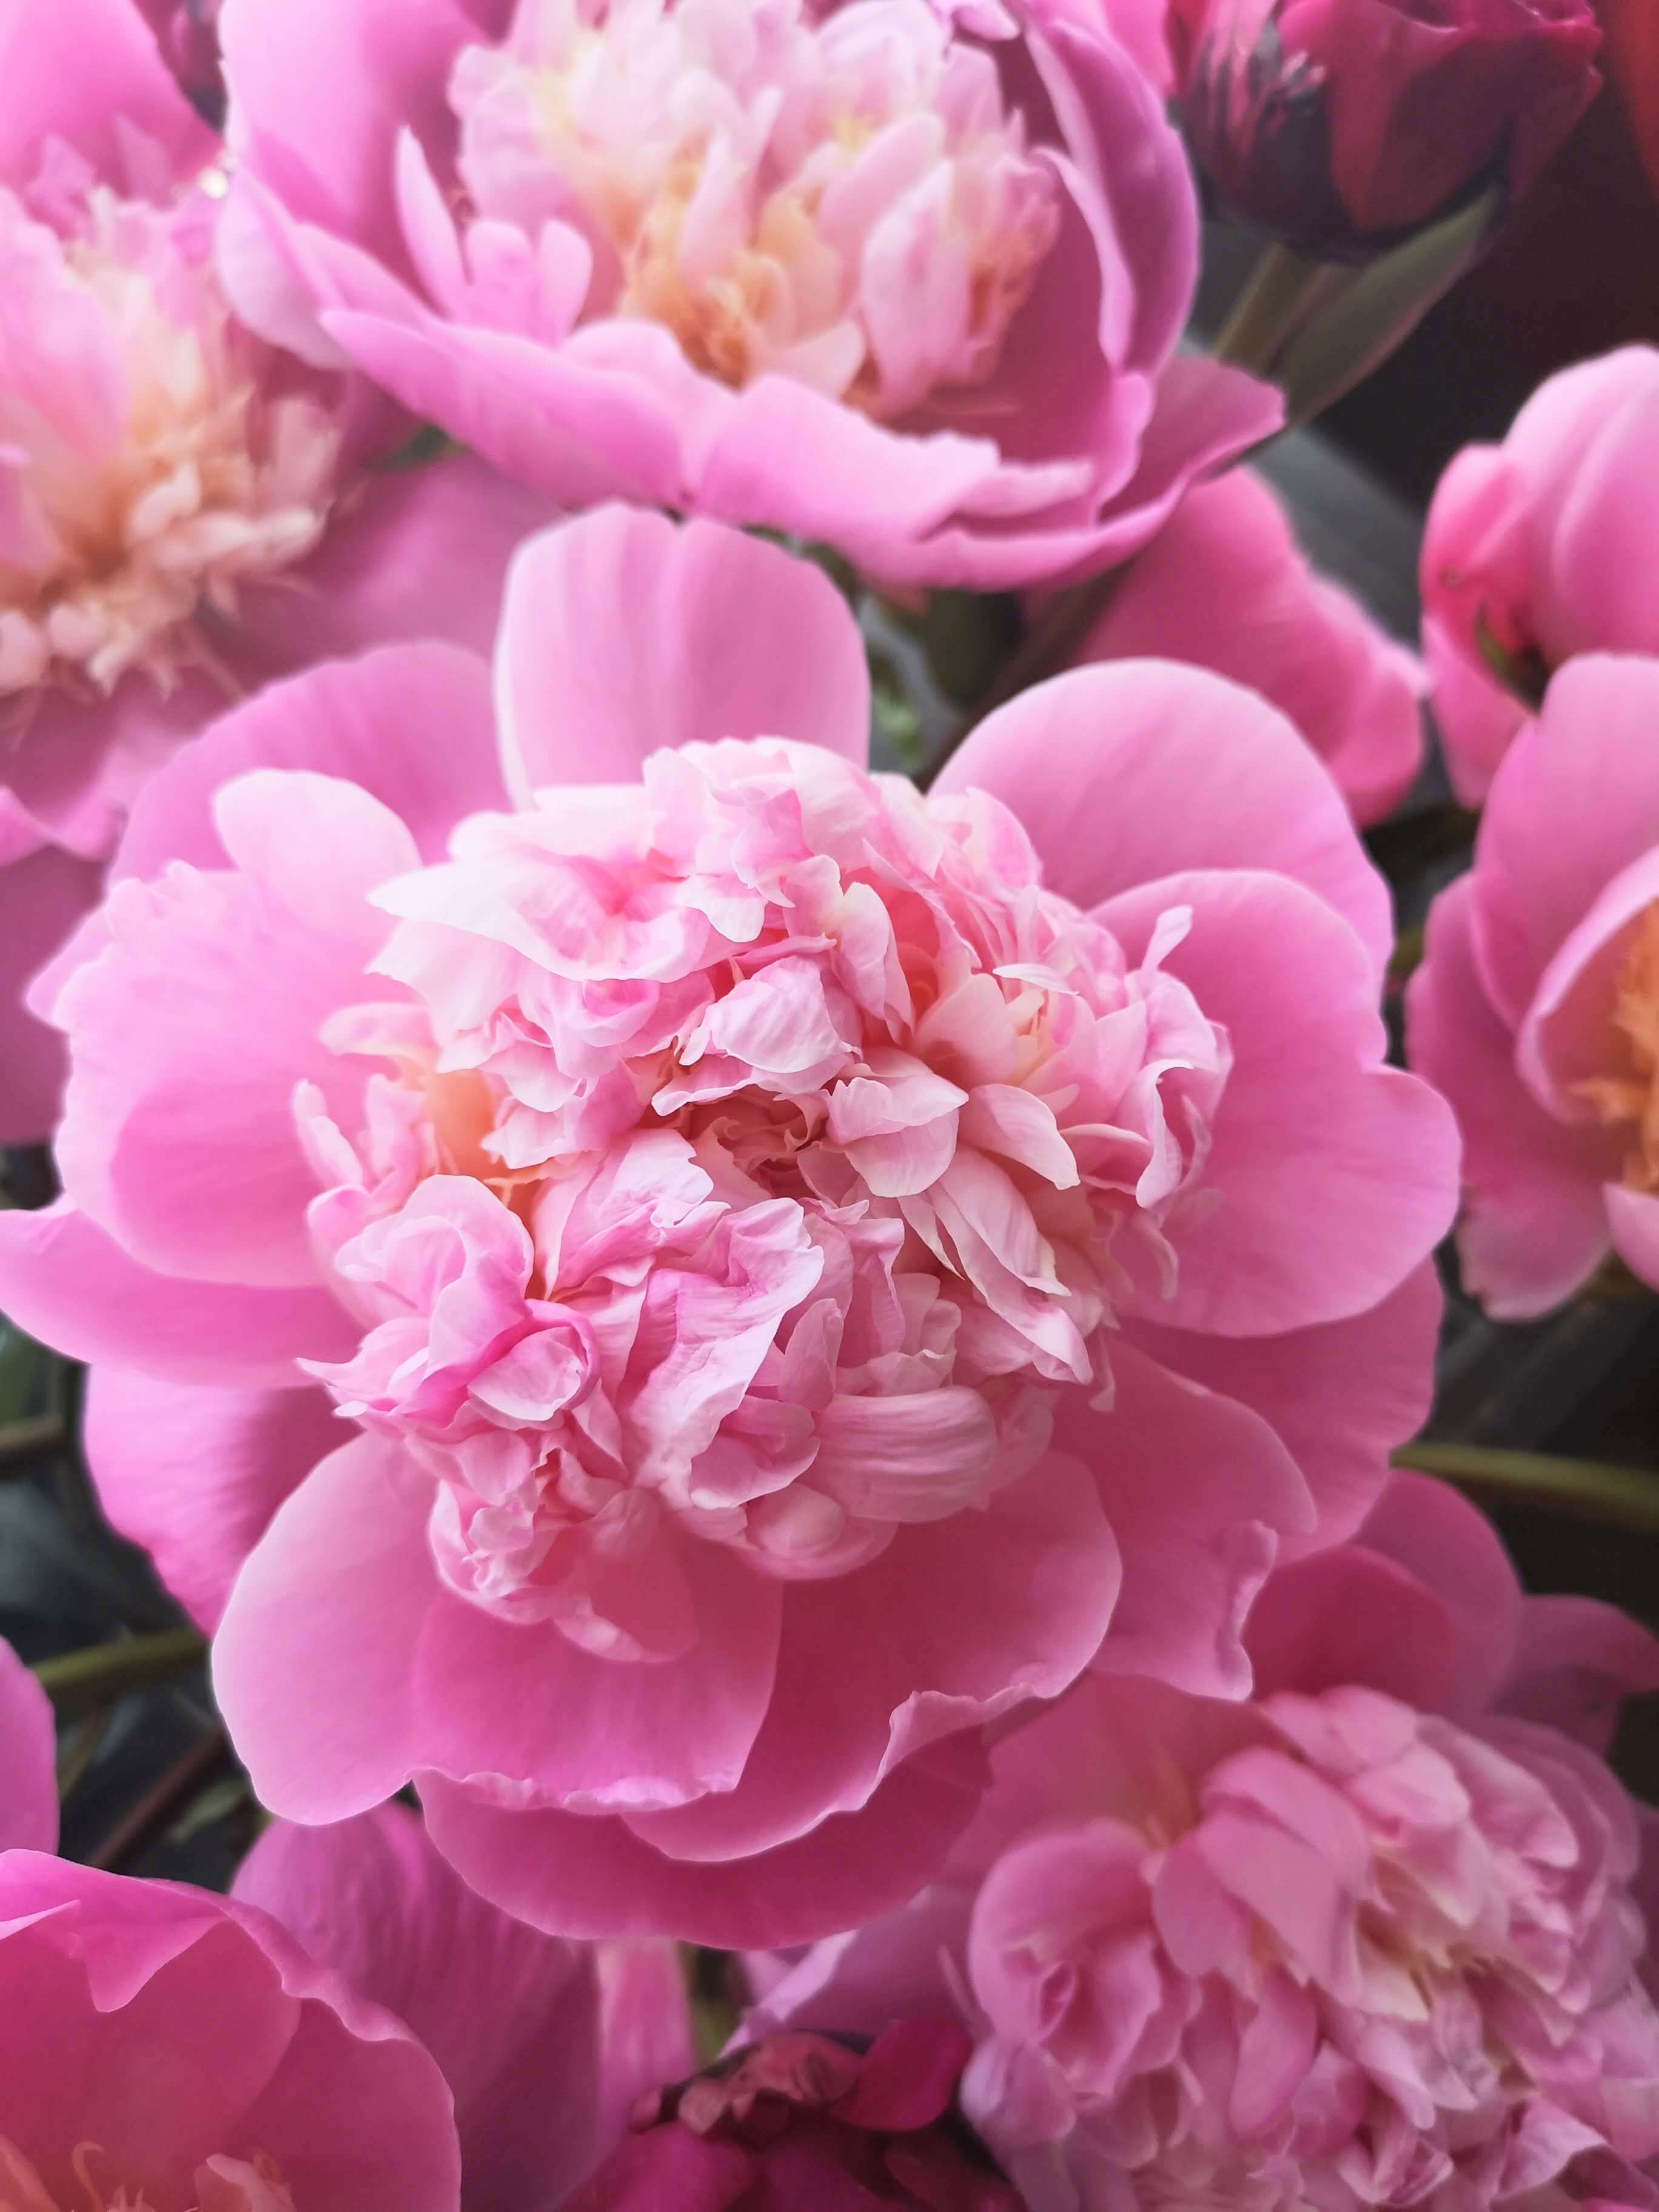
(904, 278)
(1536, 1009)
(803, 2124)
(189, 510)
(28, 1753)
(162, 2050)
(1540, 549)
(798, 1260)
(1367, 1941)
(1225, 585)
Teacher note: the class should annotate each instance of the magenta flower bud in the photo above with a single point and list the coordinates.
(1342, 127)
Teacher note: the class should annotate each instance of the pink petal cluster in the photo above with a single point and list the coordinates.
(1225, 585)
(1536, 1009)
(802, 1261)
(1537, 549)
(1369, 1939)
(903, 278)
(188, 509)
(800, 2122)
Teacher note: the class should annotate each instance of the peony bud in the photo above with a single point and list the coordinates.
(1342, 127)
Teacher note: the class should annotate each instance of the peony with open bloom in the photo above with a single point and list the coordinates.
(801, 2123)
(799, 1262)
(904, 278)
(1225, 585)
(1538, 549)
(188, 510)
(1369, 1940)
(1537, 1008)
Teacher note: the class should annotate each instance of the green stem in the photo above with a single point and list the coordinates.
(34, 1433)
(1280, 297)
(1626, 1497)
(103, 1671)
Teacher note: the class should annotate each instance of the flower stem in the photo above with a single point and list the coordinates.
(1280, 297)
(102, 1671)
(1626, 1497)
(160, 1808)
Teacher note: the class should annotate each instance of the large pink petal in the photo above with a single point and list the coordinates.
(1576, 1659)
(645, 2028)
(194, 1475)
(28, 1761)
(1340, 1396)
(1125, 774)
(884, 1969)
(1199, 1493)
(42, 896)
(62, 1280)
(594, 1877)
(1533, 1225)
(1334, 1178)
(89, 72)
(1439, 1537)
(1353, 1616)
(412, 724)
(1477, 719)
(510, 2016)
(623, 633)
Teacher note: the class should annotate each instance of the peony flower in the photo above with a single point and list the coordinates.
(28, 1757)
(545, 2045)
(1224, 585)
(164, 2050)
(902, 277)
(798, 1261)
(1342, 127)
(800, 2122)
(1367, 1940)
(190, 510)
(1537, 549)
(1533, 1010)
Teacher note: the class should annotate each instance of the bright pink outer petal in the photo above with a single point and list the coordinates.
(1334, 1177)
(1633, 1223)
(1197, 1490)
(62, 1280)
(89, 72)
(1594, 587)
(954, 1625)
(1137, 26)
(1225, 587)
(1575, 802)
(1341, 1397)
(1477, 719)
(42, 896)
(853, 1984)
(342, 1589)
(1442, 1540)
(1128, 773)
(511, 2017)
(622, 633)
(1576, 1660)
(645, 2028)
(594, 1877)
(1534, 1226)
(28, 1761)
(412, 724)
(193, 1475)
(1351, 1616)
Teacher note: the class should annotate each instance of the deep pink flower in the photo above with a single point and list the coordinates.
(1367, 1940)
(1539, 549)
(800, 2122)
(903, 277)
(799, 1261)
(1225, 585)
(1536, 1009)
(189, 510)
(28, 1752)
(164, 2050)
(1340, 126)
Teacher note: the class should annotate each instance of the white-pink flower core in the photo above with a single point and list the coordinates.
(153, 456)
(222, 2184)
(766, 1142)
(844, 200)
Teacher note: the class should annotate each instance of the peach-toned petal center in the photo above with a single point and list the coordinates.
(1630, 1096)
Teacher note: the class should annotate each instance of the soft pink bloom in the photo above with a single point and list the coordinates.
(1369, 1940)
(800, 2123)
(164, 2050)
(187, 509)
(546, 2045)
(902, 277)
(1540, 549)
(1225, 585)
(1537, 1008)
(798, 1261)
(28, 1755)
